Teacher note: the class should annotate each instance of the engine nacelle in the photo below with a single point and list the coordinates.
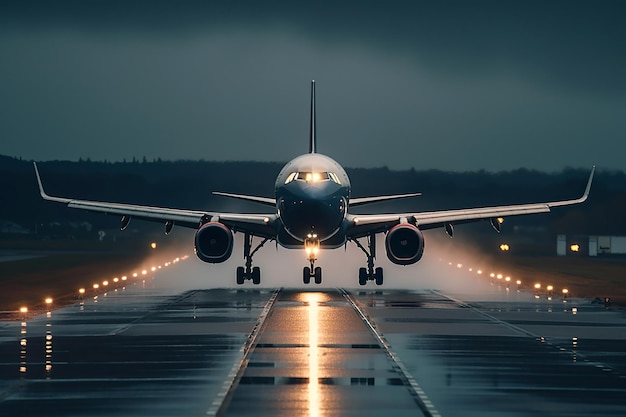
(404, 244)
(214, 242)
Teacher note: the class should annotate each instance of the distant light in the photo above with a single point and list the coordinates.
(565, 291)
(124, 278)
(518, 282)
(153, 245)
(575, 247)
(153, 268)
(144, 272)
(507, 279)
(48, 300)
(96, 286)
(504, 247)
(116, 279)
(459, 265)
(500, 220)
(81, 290)
(499, 276)
(549, 288)
(537, 286)
(479, 272)
(135, 275)
(23, 310)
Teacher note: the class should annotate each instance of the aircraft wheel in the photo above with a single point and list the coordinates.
(306, 275)
(362, 276)
(256, 275)
(240, 277)
(318, 275)
(379, 276)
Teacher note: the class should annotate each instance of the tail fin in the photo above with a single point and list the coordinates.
(312, 139)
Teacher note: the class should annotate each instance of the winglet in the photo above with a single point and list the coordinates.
(586, 193)
(43, 193)
(312, 138)
(582, 199)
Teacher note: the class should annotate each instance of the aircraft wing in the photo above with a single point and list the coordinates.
(365, 224)
(257, 224)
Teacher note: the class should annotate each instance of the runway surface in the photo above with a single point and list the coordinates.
(158, 350)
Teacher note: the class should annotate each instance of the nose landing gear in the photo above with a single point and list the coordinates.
(312, 247)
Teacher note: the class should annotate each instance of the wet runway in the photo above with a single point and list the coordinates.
(160, 351)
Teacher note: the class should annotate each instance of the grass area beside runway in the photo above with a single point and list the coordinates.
(584, 277)
(59, 276)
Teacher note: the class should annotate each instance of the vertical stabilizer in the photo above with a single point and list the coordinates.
(312, 139)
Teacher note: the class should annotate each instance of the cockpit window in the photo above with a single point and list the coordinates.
(334, 177)
(290, 177)
(312, 176)
(309, 176)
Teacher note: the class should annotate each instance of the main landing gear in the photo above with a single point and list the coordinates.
(369, 273)
(249, 272)
(312, 247)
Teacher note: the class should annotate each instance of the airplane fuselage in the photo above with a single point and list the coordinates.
(312, 197)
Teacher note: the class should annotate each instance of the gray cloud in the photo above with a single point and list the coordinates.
(451, 85)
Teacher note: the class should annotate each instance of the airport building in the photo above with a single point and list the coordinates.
(590, 245)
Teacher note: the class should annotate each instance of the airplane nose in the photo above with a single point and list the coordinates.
(301, 217)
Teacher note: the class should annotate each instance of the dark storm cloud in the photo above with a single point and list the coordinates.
(452, 84)
(579, 44)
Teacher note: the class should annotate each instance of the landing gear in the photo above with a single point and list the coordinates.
(312, 247)
(316, 274)
(249, 272)
(369, 273)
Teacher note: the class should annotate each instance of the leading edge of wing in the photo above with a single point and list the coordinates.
(187, 218)
(261, 200)
(439, 218)
(367, 200)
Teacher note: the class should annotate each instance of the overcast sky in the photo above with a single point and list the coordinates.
(452, 85)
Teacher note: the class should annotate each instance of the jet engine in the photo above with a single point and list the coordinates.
(214, 242)
(404, 244)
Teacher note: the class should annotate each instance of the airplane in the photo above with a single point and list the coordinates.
(312, 201)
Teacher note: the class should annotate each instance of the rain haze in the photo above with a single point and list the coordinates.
(449, 85)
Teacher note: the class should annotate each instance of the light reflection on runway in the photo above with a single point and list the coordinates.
(314, 392)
